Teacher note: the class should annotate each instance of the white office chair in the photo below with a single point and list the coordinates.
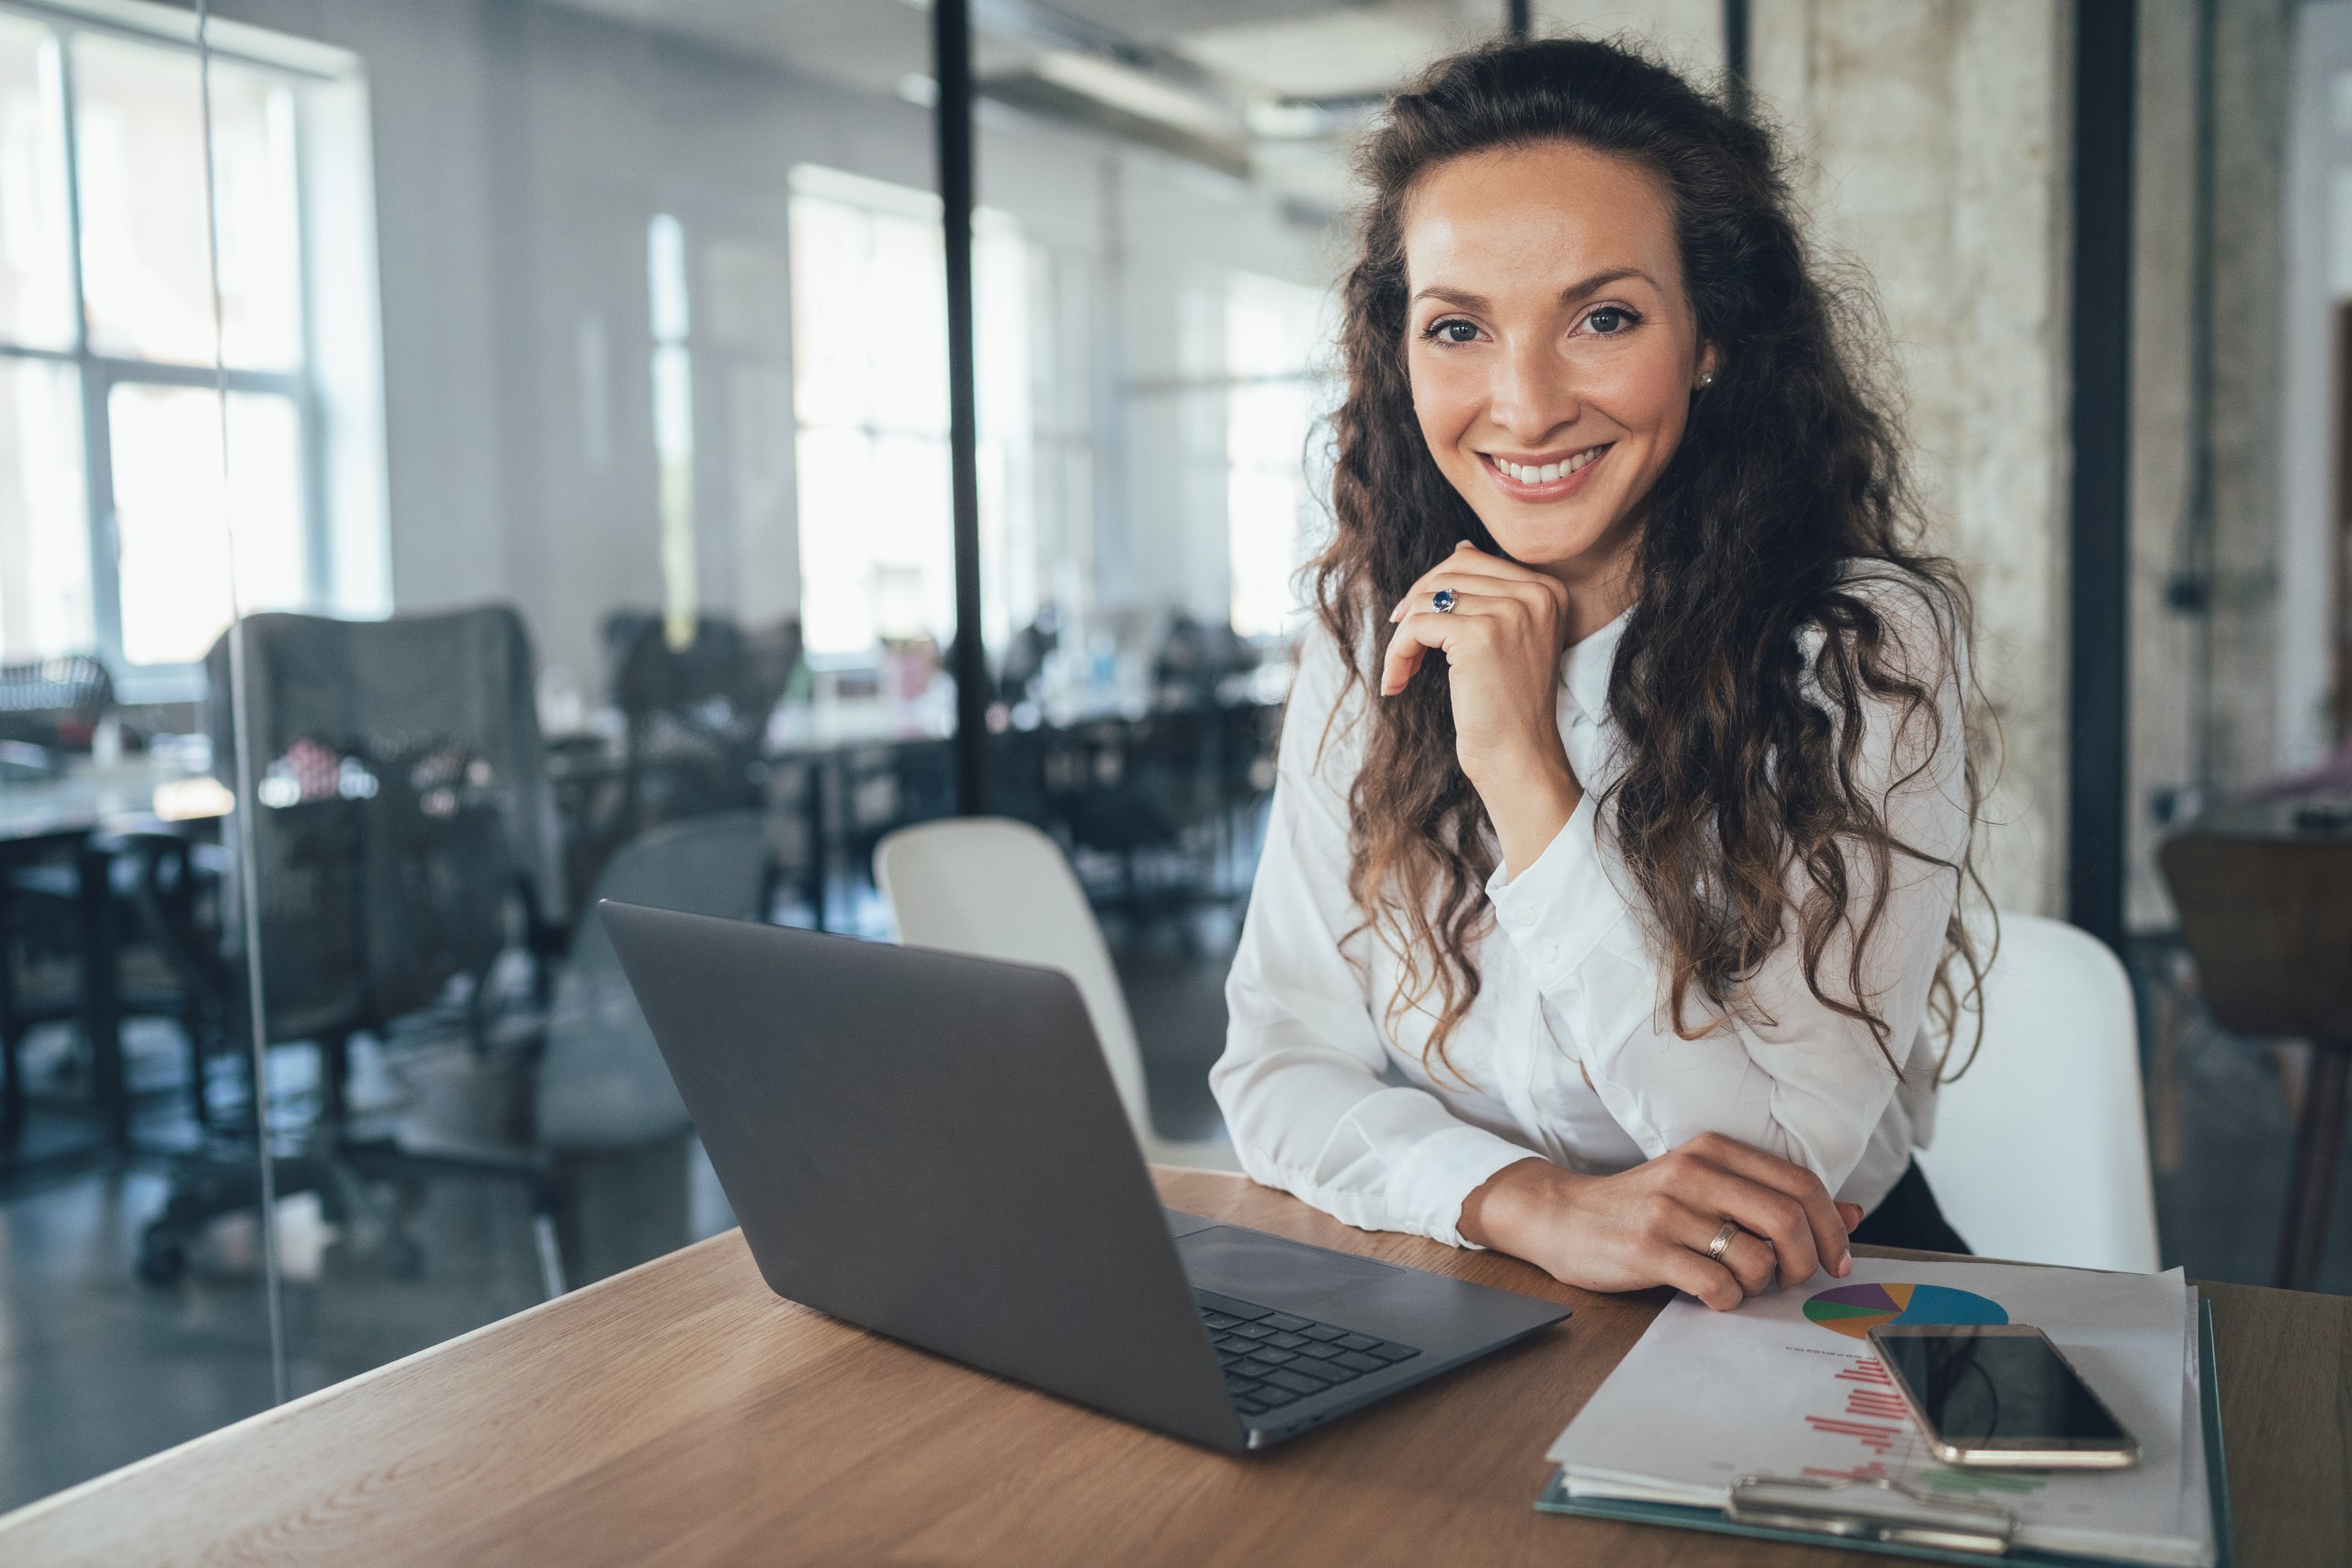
(995, 888)
(2041, 1150)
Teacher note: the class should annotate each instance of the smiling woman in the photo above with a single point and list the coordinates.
(1608, 915)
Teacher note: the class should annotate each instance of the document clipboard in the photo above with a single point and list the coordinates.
(1866, 1518)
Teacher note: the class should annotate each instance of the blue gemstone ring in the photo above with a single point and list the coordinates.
(1443, 601)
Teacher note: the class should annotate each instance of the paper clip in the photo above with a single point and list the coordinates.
(1875, 1509)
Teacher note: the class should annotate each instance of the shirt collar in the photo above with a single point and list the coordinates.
(1585, 668)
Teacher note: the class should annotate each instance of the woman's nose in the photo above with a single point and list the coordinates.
(1533, 392)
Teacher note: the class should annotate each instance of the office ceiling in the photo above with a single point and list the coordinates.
(1311, 48)
(1262, 89)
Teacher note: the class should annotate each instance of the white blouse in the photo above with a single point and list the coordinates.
(1567, 1052)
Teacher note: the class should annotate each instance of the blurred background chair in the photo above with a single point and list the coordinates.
(404, 831)
(996, 889)
(2040, 1147)
(2265, 893)
(696, 715)
(50, 706)
(606, 1115)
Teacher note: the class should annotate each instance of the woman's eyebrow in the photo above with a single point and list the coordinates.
(1453, 297)
(1576, 290)
(1601, 280)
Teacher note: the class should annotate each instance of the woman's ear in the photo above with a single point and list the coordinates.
(1707, 362)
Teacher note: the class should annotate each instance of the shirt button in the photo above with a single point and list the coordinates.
(1550, 953)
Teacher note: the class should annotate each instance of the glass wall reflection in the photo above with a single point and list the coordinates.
(122, 1073)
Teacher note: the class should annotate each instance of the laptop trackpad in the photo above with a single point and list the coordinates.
(1271, 1271)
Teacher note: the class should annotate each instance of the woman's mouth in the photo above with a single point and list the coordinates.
(1549, 480)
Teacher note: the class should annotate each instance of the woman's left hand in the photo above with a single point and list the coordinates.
(1502, 641)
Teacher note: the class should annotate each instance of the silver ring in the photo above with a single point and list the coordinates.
(1716, 1248)
(1443, 601)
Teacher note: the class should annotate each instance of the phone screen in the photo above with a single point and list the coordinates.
(1975, 1388)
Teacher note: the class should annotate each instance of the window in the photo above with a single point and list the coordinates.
(1272, 333)
(870, 397)
(114, 518)
(670, 313)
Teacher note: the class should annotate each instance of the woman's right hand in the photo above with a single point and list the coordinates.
(1652, 1225)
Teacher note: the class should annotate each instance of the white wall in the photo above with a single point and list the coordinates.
(520, 149)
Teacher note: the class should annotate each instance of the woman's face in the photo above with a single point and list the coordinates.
(1551, 351)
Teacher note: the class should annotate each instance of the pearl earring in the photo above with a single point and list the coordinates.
(1708, 379)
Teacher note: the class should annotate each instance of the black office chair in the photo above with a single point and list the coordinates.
(54, 703)
(402, 829)
(696, 715)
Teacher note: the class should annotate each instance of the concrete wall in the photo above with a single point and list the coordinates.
(2314, 181)
(1933, 143)
(2222, 696)
(2251, 53)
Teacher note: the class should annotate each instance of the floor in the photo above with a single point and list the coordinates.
(98, 1368)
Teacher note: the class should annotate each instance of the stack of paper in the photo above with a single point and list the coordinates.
(1788, 1386)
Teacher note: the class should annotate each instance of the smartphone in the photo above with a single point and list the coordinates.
(2001, 1396)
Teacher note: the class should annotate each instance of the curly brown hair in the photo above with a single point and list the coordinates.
(1752, 647)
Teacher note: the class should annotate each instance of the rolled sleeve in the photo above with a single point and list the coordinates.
(1441, 1170)
(1304, 1081)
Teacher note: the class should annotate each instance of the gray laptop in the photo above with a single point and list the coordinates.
(931, 1147)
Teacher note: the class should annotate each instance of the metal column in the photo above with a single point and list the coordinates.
(951, 53)
(2099, 422)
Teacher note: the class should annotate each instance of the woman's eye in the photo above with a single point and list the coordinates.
(1454, 330)
(1610, 319)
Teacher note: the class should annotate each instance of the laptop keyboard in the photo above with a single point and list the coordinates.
(1273, 1359)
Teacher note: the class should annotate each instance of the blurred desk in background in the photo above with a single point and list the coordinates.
(1107, 776)
(682, 1413)
(75, 824)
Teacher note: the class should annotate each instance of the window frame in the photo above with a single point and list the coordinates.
(98, 374)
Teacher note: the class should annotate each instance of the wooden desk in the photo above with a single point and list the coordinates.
(680, 1414)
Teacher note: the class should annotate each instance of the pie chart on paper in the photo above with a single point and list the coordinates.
(1854, 1310)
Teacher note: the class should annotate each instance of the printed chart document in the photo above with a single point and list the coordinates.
(1787, 1386)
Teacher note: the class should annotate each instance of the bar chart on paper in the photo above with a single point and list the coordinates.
(1854, 1310)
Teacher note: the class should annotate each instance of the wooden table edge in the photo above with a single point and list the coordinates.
(2280, 1464)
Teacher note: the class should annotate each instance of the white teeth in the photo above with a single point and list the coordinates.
(1545, 473)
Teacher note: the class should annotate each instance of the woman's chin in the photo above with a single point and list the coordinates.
(1552, 544)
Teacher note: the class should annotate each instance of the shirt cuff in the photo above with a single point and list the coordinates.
(1556, 910)
(1431, 1184)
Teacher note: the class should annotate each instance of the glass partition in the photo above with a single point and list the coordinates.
(123, 1076)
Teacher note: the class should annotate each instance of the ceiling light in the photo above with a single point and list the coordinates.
(1123, 88)
(1280, 120)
